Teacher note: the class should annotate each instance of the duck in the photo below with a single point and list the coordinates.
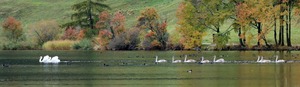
(5, 65)
(189, 71)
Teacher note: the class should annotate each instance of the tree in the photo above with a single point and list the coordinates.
(149, 20)
(256, 14)
(12, 29)
(191, 33)
(113, 28)
(86, 14)
(71, 33)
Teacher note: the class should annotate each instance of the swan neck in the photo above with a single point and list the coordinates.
(40, 59)
(173, 58)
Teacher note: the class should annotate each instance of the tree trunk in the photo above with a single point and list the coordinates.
(90, 18)
(218, 30)
(290, 24)
(258, 33)
(287, 29)
(281, 32)
(275, 33)
(240, 39)
(266, 42)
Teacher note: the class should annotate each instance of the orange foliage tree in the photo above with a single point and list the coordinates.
(149, 20)
(110, 27)
(256, 14)
(12, 29)
(71, 33)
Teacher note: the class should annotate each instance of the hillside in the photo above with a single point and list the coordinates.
(31, 11)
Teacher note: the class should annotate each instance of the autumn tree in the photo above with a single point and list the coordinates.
(86, 14)
(71, 33)
(256, 14)
(191, 33)
(149, 20)
(111, 26)
(12, 29)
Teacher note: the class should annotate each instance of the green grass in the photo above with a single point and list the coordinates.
(31, 11)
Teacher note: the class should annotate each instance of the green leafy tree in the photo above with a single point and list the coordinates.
(86, 15)
(192, 34)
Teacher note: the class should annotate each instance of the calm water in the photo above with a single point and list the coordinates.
(137, 69)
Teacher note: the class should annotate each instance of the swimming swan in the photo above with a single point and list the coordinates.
(189, 60)
(175, 61)
(204, 61)
(46, 59)
(221, 60)
(262, 60)
(279, 61)
(55, 59)
(159, 61)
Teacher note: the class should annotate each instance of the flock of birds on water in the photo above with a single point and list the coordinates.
(260, 59)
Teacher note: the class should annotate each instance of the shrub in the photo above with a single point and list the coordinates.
(71, 33)
(21, 45)
(59, 45)
(126, 41)
(84, 44)
(44, 31)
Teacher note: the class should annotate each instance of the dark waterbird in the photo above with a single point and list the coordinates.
(105, 64)
(5, 65)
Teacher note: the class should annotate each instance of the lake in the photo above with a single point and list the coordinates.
(137, 69)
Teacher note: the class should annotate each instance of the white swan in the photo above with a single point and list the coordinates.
(55, 59)
(258, 59)
(175, 61)
(189, 60)
(204, 61)
(262, 60)
(160, 61)
(46, 59)
(221, 60)
(279, 61)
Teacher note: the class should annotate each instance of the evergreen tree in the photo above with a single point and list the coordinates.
(86, 14)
